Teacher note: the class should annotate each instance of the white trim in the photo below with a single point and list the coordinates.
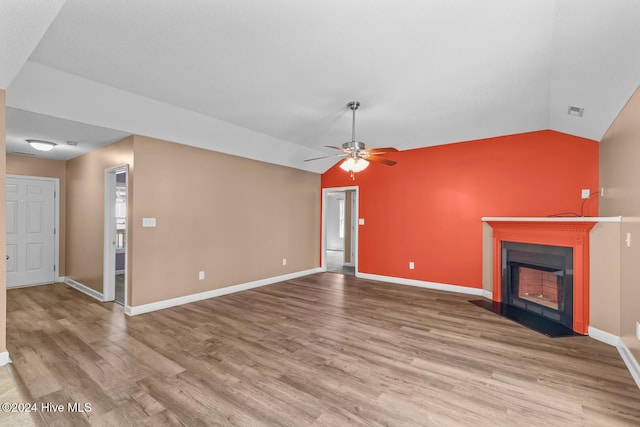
(4, 358)
(630, 361)
(109, 232)
(30, 285)
(56, 215)
(487, 294)
(154, 306)
(109, 249)
(603, 336)
(553, 218)
(617, 342)
(83, 288)
(323, 216)
(423, 284)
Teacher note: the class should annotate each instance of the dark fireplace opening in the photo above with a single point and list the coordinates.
(539, 279)
(536, 288)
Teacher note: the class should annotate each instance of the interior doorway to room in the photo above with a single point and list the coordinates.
(32, 223)
(340, 227)
(115, 235)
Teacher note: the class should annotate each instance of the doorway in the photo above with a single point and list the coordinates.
(340, 225)
(32, 224)
(115, 235)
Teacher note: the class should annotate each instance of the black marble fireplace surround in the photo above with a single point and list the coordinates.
(537, 288)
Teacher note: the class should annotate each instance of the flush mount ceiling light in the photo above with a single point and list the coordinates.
(41, 145)
(357, 157)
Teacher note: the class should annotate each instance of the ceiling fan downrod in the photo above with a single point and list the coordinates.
(354, 106)
(353, 146)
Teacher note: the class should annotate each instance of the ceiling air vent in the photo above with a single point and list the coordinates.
(575, 111)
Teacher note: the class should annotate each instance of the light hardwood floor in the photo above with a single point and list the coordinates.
(325, 349)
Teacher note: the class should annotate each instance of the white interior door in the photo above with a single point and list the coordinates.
(30, 231)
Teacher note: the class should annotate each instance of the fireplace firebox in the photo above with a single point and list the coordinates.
(539, 279)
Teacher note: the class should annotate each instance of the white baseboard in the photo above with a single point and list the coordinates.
(487, 294)
(4, 358)
(154, 306)
(604, 336)
(632, 364)
(83, 288)
(625, 353)
(423, 284)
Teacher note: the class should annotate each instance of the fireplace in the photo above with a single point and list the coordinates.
(557, 249)
(539, 279)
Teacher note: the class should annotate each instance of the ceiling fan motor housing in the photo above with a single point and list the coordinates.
(354, 149)
(353, 145)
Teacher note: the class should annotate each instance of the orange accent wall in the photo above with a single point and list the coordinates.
(427, 208)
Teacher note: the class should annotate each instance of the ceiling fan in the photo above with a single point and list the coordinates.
(357, 157)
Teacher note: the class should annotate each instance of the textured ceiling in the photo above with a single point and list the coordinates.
(270, 80)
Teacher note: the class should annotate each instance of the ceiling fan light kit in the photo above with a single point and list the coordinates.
(354, 165)
(357, 157)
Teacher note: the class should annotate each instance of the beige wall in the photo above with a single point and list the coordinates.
(233, 218)
(85, 210)
(620, 178)
(3, 226)
(604, 277)
(33, 166)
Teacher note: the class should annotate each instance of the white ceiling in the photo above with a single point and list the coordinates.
(27, 125)
(270, 80)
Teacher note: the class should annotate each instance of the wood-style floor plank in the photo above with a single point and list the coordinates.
(322, 350)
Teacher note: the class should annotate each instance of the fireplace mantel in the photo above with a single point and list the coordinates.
(556, 231)
(552, 219)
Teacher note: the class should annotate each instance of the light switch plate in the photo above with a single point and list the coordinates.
(148, 222)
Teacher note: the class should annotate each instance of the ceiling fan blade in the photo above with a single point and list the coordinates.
(382, 160)
(325, 157)
(332, 146)
(375, 151)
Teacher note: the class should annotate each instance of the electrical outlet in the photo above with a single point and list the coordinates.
(601, 191)
(284, 261)
(628, 240)
(411, 265)
(201, 275)
(638, 330)
(586, 193)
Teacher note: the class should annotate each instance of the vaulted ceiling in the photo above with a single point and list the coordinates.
(270, 80)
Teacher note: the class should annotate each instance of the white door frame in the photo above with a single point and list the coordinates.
(354, 226)
(56, 219)
(109, 260)
(325, 196)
